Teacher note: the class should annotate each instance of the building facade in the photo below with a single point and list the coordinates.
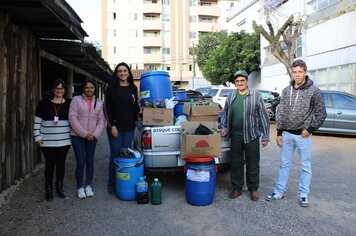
(326, 44)
(158, 34)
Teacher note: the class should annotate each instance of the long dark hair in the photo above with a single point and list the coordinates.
(129, 78)
(54, 86)
(93, 82)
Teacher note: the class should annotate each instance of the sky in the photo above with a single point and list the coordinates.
(90, 13)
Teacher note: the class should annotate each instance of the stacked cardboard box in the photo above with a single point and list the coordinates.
(200, 145)
(157, 116)
(202, 112)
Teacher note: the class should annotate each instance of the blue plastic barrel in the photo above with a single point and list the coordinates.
(178, 108)
(155, 85)
(200, 180)
(128, 172)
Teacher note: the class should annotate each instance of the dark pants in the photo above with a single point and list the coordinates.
(84, 153)
(55, 158)
(245, 153)
(124, 140)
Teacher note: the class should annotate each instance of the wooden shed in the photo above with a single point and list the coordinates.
(40, 41)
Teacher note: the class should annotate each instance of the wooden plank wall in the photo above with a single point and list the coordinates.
(20, 86)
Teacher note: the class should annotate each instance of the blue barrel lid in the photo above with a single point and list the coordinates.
(154, 73)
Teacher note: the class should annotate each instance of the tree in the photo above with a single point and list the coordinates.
(219, 55)
(289, 32)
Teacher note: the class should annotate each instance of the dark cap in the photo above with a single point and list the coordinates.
(241, 73)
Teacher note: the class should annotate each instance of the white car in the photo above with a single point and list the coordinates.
(219, 94)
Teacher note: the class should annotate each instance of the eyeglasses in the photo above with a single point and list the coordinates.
(59, 89)
(240, 81)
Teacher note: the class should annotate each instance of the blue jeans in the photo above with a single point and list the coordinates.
(124, 140)
(304, 147)
(84, 153)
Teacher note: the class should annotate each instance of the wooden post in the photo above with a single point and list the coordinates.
(69, 82)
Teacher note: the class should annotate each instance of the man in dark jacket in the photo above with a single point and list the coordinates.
(300, 112)
(245, 119)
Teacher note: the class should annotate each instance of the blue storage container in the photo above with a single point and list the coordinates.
(155, 85)
(128, 172)
(200, 180)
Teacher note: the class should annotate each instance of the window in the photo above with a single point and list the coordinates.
(111, 32)
(193, 35)
(152, 34)
(112, 15)
(192, 3)
(318, 5)
(151, 67)
(133, 33)
(166, 35)
(151, 50)
(134, 50)
(205, 3)
(165, 2)
(343, 101)
(166, 51)
(112, 50)
(206, 19)
(166, 17)
(150, 1)
(166, 67)
(150, 17)
(192, 19)
(133, 16)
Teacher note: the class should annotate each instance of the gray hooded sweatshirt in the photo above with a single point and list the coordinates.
(300, 109)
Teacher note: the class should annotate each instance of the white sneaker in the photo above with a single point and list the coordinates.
(89, 191)
(81, 193)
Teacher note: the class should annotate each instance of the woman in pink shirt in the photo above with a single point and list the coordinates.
(87, 122)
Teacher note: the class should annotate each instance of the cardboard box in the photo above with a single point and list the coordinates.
(200, 145)
(157, 116)
(201, 113)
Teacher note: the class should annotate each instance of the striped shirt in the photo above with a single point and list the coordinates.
(255, 122)
(44, 127)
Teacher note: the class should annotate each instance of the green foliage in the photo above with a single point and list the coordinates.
(219, 55)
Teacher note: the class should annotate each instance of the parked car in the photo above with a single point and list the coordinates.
(219, 94)
(203, 90)
(271, 100)
(341, 113)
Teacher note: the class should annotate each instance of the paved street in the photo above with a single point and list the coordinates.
(331, 212)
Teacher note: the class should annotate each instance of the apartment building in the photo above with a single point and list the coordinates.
(158, 34)
(327, 43)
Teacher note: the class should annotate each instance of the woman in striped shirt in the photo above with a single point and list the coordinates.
(52, 135)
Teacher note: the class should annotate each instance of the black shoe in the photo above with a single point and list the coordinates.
(59, 188)
(49, 192)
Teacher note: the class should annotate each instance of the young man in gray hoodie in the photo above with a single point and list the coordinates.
(300, 112)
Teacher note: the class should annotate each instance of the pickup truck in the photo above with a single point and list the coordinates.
(160, 148)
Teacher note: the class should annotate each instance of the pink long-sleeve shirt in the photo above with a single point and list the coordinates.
(84, 121)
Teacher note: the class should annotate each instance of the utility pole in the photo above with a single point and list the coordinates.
(194, 70)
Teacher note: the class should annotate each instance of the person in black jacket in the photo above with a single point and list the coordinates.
(121, 109)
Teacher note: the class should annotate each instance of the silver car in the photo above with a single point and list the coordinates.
(341, 113)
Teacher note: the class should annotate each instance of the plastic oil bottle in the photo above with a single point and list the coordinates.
(156, 192)
(142, 190)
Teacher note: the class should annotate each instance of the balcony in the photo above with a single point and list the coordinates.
(208, 10)
(152, 58)
(208, 27)
(152, 25)
(152, 8)
(152, 41)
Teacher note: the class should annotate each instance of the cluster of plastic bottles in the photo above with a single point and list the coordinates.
(142, 191)
(202, 102)
(154, 103)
